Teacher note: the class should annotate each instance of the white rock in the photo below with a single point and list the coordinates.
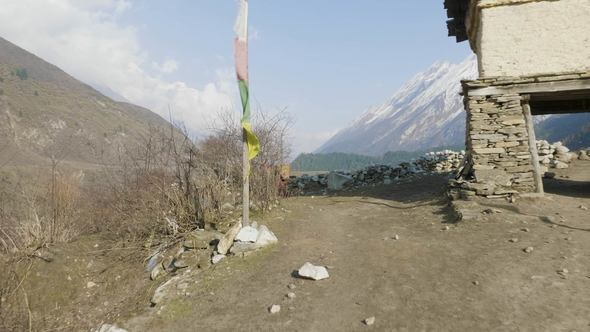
(162, 291)
(110, 328)
(265, 237)
(291, 295)
(90, 284)
(247, 234)
(369, 321)
(275, 308)
(313, 272)
(217, 258)
(561, 149)
(563, 272)
(156, 272)
(228, 239)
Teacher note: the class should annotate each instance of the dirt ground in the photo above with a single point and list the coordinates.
(469, 277)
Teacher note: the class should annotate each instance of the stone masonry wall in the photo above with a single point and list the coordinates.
(498, 158)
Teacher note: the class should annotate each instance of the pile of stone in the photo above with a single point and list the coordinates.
(200, 250)
(441, 161)
(446, 161)
(554, 155)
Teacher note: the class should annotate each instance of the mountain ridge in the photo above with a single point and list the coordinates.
(423, 113)
(47, 113)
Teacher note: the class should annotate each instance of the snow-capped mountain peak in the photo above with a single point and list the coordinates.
(427, 111)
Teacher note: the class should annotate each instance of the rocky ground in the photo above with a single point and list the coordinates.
(394, 253)
(396, 258)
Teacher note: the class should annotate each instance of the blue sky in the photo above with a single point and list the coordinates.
(325, 61)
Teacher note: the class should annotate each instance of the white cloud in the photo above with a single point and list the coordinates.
(85, 39)
(169, 66)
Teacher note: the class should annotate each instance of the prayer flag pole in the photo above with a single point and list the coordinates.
(251, 145)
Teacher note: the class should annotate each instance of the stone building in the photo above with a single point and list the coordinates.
(533, 58)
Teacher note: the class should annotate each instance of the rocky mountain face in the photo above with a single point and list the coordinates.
(45, 112)
(425, 112)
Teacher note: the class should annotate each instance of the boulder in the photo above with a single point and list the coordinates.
(583, 155)
(369, 321)
(275, 308)
(163, 290)
(228, 239)
(247, 234)
(157, 271)
(336, 181)
(265, 237)
(561, 149)
(313, 272)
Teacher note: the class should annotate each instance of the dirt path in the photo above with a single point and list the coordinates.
(467, 278)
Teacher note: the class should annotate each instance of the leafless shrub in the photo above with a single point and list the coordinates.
(32, 216)
(170, 185)
(161, 187)
(223, 151)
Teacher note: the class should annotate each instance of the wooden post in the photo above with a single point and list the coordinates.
(245, 183)
(533, 146)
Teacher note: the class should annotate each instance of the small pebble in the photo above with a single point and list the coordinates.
(528, 250)
(562, 272)
(290, 295)
(396, 237)
(275, 308)
(513, 240)
(476, 283)
(583, 207)
(525, 229)
(369, 321)
(291, 286)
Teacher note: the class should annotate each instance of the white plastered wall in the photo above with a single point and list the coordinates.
(534, 37)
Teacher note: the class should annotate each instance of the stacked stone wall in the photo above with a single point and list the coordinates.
(499, 158)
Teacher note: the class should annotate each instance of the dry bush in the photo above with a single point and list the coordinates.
(161, 187)
(33, 215)
(223, 151)
(168, 185)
